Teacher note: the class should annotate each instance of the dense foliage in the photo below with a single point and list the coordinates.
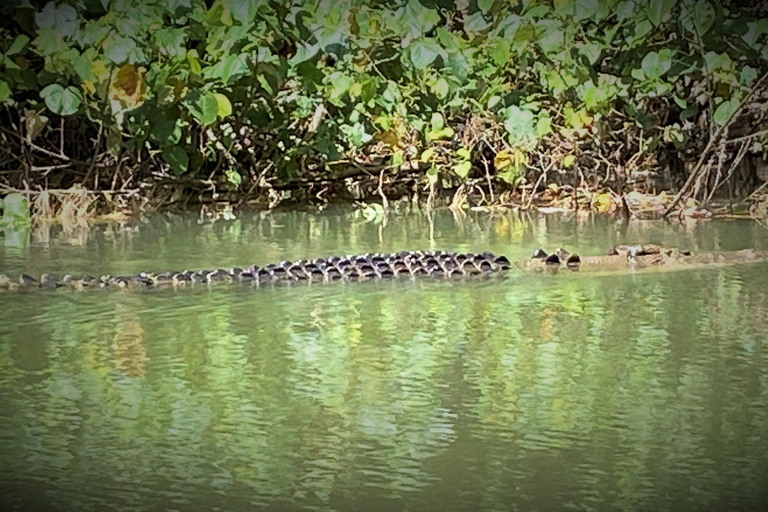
(257, 94)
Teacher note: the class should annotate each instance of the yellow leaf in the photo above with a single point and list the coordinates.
(586, 119)
(389, 138)
(427, 155)
(224, 106)
(127, 88)
(89, 86)
(602, 202)
(502, 160)
(568, 161)
(99, 69)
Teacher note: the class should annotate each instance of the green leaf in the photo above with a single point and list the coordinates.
(419, 19)
(462, 169)
(443, 134)
(194, 63)
(436, 121)
(485, 5)
(303, 53)
(203, 106)
(5, 92)
(642, 29)
(538, 11)
(714, 61)
(655, 64)
(755, 29)
(356, 134)
(593, 95)
(625, 10)
(459, 65)
(177, 159)
(522, 37)
(83, 66)
(49, 42)
(591, 51)
(520, 127)
(229, 69)
(15, 209)
(747, 76)
(724, 111)
(433, 174)
(233, 177)
(442, 88)
(171, 42)
(224, 106)
(60, 100)
(243, 11)
(164, 130)
(17, 45)
(476, 23)
(703, 16)
(577, 9)
(552, 36)
(500, 52)
(119, 50)
(544, 126)
(62, 18)
(423, 52)
(658, 9)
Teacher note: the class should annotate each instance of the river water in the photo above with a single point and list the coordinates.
(644, 391)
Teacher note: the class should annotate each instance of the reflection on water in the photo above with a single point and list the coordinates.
(536, 392)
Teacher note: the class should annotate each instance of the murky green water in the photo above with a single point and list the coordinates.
(537, 392)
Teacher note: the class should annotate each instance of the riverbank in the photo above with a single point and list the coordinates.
(80, 207)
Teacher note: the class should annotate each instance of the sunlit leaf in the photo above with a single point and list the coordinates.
(234, 177)
(442, 88)
(462, 169)
(502, 160)
(304, 52)
(203, 106)
(224, 106)
(60, 100)
(119, 49)
(423, 52)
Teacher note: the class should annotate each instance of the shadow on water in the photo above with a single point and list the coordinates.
(635, 392)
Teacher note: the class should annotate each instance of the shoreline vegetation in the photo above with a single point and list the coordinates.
(640, 108)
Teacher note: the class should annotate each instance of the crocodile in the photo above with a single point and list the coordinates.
(635, 257)
(404, 264)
